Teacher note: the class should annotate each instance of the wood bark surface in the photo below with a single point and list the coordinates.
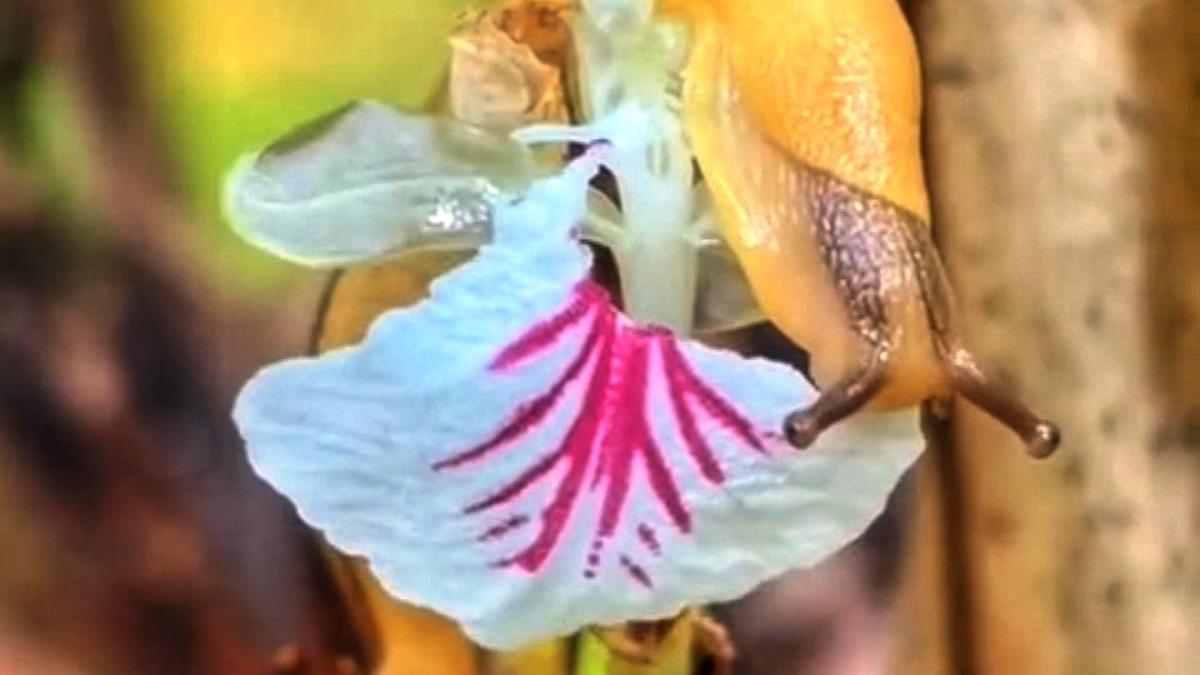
(1063, 140)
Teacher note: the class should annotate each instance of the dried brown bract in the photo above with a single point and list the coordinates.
(507, 65)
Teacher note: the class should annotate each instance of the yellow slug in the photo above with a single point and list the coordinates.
(804, 116)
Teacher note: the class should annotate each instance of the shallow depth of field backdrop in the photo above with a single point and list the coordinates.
(1063, 147)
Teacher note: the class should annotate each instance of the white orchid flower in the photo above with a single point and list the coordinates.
(515, 452)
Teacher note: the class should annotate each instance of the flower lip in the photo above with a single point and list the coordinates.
(557, 464)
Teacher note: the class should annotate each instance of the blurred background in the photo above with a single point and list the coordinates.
(1063, 146)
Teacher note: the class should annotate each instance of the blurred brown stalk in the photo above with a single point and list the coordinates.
(1064, 153)
(134, 539)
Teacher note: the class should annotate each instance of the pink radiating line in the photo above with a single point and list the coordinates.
(627, 431)
(662, 482)
(498, 531)
(649, 538)
(610, 433)
(578, 446)
(697, 447)
(584, 298)
(714, 404)
(593, 558)
(572, 442)
(529, 414)
(636, 572)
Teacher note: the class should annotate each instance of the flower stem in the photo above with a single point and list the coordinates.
(673, 656)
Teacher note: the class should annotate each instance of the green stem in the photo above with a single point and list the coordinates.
(674, 656)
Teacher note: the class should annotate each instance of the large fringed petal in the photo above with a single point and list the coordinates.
(517, 454)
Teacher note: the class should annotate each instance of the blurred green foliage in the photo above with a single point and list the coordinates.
(228, 76)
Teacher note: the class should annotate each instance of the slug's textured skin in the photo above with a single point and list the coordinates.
(836, 85)
(804, 116)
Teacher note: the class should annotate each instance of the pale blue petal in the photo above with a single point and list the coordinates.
(396, 448)
(368, 181)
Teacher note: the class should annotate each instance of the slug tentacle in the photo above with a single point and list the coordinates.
(1041, 436)
(837, 403)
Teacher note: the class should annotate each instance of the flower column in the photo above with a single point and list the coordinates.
(628, 82)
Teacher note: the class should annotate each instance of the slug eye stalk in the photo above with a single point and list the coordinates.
(897, 310)
(889, 281)
(1041, 436)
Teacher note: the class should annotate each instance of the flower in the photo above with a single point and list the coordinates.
(514, 451)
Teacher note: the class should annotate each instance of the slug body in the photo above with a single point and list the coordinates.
(804, 116)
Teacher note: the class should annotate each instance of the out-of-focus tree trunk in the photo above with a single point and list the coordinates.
(133, 539)
(1064, 149)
